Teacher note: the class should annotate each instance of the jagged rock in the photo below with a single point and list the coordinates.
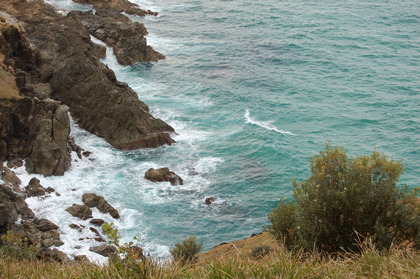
(14, 163)
(209, 200)
(27, 213)
(127, 38)
(119, 5)
(10, 178)
(81, 211)
(39, 232)
(10, 206)
(34, 188)
(163, 174)
(97, 222)
(104, 249)
(45, 225)
(70, 64)
(93, 200)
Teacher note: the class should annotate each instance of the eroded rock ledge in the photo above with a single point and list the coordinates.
(70, 64)
(119, 32)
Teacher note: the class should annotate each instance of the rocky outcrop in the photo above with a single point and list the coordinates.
(30, 128)
(127, 38)
(80, 210)
(119, 5)
(16, 216)
(70, 64)
(93, 200)
(163, 174)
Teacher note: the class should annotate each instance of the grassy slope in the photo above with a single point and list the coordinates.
(233, 260)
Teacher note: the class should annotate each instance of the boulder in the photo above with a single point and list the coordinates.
(10, 178)
(81, 211)
(163, 174)
(34, 188)
(45, 225)
(93, 200)
(104, 250)
(209, 200)
(97, 222)
(10, 206)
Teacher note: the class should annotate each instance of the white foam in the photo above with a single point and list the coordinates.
(265, 124)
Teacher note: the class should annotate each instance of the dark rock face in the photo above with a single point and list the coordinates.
(40, 232)
(119, 32)
(29, 127)
(81, 211)
(93, 200)
(34, 188)
(10, 179)
(163, 174)
(70, 65)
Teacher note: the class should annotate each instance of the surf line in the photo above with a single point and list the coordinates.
(265, 124)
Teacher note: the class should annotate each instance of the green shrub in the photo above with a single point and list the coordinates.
(346, 201)
(186, 252)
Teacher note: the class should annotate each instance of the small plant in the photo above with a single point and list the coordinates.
(261, 251)
(186, 251)
(127, 249)
(347, 201)
(16, 246)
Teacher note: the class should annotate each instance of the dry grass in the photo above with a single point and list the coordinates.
(235, 260)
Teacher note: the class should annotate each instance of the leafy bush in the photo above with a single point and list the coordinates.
(186, 252)
(346, 201)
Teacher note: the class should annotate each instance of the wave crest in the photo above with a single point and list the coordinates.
(265, 124)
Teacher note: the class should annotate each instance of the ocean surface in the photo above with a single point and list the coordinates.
(253, 89)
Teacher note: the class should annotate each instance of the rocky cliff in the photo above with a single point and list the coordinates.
(32, 126)
(69, 63)
(49, 67)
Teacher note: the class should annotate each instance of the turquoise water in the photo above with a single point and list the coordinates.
(254, 89)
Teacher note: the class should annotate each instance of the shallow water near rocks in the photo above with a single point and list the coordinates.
(253, 89)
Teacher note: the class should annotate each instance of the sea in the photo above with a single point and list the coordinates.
(254, 89)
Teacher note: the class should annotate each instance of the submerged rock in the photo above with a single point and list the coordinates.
(209, 200)
(163, 174)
